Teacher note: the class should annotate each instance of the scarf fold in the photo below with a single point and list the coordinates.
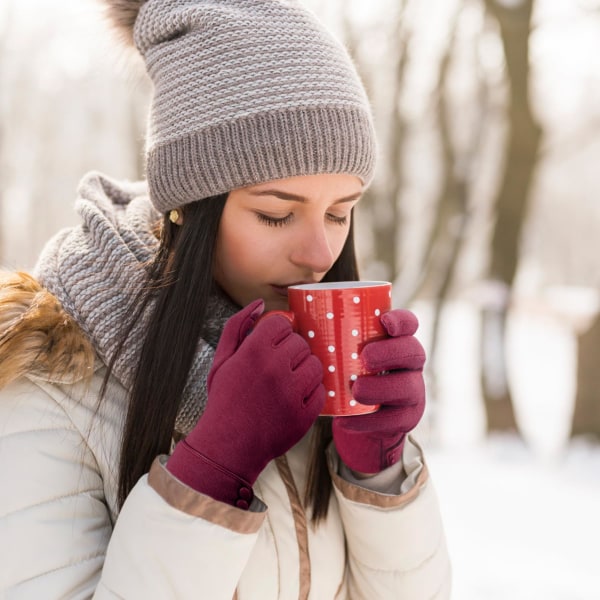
(97, 269)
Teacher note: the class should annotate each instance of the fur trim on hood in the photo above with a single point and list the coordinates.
(37, 337)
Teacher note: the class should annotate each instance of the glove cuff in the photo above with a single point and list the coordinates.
(369, 456)
(208, 477)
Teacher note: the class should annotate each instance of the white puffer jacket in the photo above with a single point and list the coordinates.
(61, 535)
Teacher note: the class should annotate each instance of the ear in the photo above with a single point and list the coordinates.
(176, 216)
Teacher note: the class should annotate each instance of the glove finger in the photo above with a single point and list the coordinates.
(405, 352)
(399, 322)
(298, 350)
(387, 422)
(315, 401)
(287, 341)
(309, 374)
(288, 355)
(398, 388)
(272, 329)
(235, 331)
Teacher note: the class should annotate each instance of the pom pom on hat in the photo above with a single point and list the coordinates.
(121, 15)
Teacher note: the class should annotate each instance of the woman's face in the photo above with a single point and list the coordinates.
(283, 232)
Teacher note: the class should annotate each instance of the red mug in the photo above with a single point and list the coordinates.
(337, 319)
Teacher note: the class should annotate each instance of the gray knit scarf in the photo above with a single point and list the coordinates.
(96, 270)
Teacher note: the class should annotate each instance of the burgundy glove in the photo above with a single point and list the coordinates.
(264, 393)
(370, 443)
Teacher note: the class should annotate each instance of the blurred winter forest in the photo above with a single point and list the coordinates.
(488, 189)
(485, 212)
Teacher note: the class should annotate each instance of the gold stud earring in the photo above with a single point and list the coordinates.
(174, 216)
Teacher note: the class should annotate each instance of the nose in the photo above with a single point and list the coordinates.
(312, 250)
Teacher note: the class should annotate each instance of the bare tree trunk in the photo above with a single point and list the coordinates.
(443, 243)
(4, 18)
(586, 416)
(445, 239)
(2, 177)
(510, 209)
(384, 208)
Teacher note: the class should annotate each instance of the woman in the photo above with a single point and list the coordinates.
(158, 440)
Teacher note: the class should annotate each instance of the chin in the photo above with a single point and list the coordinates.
(276, 304)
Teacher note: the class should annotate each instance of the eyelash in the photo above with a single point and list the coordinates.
(272, 221)
(275, 222)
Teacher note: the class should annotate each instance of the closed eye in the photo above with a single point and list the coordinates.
(275, 221)
(338, 220)
(281, 221)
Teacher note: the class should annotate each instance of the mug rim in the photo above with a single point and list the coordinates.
(339, 285)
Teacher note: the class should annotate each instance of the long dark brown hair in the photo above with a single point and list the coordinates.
(180, 283)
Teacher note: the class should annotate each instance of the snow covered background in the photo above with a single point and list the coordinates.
(522, 517)
(520, 527)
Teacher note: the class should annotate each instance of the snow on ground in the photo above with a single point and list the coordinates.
(522, 518)
(520, 527)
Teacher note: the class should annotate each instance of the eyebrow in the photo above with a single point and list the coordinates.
(297, 198)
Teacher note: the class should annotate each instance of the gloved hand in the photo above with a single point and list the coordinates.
(370, 443)
(264, 393)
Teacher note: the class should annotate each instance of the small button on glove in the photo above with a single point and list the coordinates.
(370, 443)
(264, 393)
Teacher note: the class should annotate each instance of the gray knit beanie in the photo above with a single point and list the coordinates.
(246, 91)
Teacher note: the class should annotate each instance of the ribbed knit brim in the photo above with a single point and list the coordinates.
(265, 147)
(247, 91)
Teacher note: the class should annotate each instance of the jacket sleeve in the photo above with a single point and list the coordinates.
(396, 543)
(56, 535)
(54, 524)
(179, 543)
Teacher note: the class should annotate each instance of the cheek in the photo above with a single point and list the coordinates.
(337, 242)
(241, 252)
(230, 254)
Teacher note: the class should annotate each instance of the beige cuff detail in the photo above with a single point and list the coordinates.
(357, 493)
(188, 500)
(300, 524)
(388, 481)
